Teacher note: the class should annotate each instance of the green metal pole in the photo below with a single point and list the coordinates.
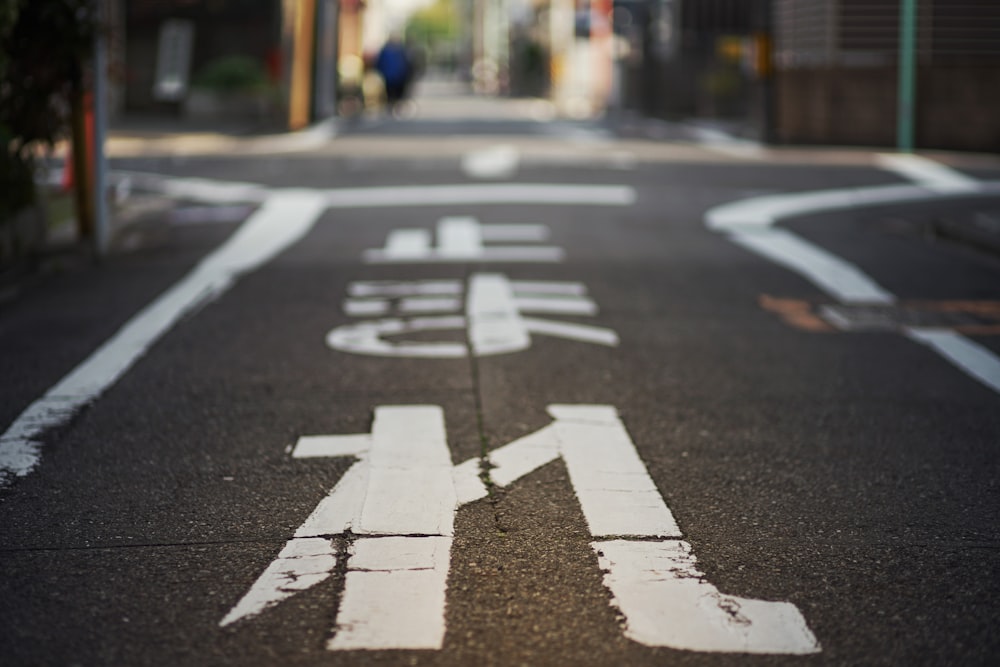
(907, 75)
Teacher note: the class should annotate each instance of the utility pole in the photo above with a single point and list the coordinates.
(100, 182)
(907, 75)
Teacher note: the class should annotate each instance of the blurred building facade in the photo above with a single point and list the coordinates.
(815, 71)
(836, 66)
(275, 59)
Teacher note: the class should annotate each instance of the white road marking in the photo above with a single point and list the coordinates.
(493, 317)
(750, 223)
(514, 233)
(495, 325)
(410, 487)
(281, 221)
(494, 162)
(395, 588)
(556, 305)
(460, 240)
(928, 173)
(396, 196)
(397, 288)
(366, 307)
(616, 493)
(829, 272)
(312, 446)
(408, 243)
(721, 142)
(394, 594)
(460, 237)
(303, 563)
(462, 194)
(582, 333)
(370, 338)
(642, 575)
(971, 357)
(429, 304)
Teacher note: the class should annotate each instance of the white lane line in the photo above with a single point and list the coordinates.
(410, 486)
(494, 162)
(971, 357)
(667, 602)
(928, 173)
(394, 594)
(506, 193)
(281, 221)
(750, 223)
(827, 271)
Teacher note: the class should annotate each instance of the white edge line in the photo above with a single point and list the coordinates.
(282, 220)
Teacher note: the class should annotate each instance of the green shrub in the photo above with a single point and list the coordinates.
(232, 74)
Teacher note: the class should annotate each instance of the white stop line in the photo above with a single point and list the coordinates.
(400, 500)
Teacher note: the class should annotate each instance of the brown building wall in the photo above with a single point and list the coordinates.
(958, 107)
(836, 76)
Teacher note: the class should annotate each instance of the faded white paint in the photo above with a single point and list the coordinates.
(395, 587)
(666, 601)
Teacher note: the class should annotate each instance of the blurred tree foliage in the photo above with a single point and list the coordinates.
(43, 46)
(433, 25)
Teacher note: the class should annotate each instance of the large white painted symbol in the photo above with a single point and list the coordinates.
(494, 321)
(464, 239)
(398, 501)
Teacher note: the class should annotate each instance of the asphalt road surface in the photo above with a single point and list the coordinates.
(587, 397)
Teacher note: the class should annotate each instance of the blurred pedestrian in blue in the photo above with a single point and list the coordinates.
(394, 65)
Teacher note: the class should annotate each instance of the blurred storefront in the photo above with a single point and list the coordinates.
(274, 60)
